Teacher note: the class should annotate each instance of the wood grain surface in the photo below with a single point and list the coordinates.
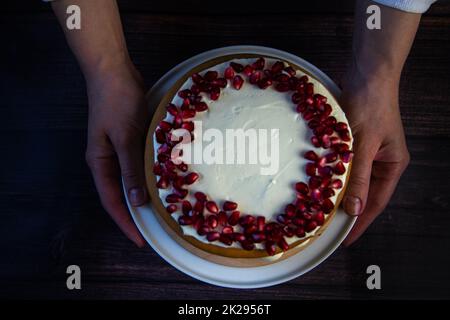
(50, 215)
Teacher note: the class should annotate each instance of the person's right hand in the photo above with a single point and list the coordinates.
(118, 119)
(380, 152)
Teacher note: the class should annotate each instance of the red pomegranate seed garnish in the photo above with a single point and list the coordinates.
(213, 236)
(339, 168)
(316, 195)
(315, 141)
(171, 208)
(255, 77)
(238, 82)
(345, 135)
(314, 182)
(157, 169)
(212, 207)
(246, 220)
(191, 178)
(186, 207)
(203, 230)
(336, 184)
(291, 71)
(270, 248)
(220, 82)
(184, 93)
(173, 198)
(259, 64)
(283, 244)
(277, 67)
(214, 94)
(258, 237)
(198, 208)
(288, 232)
(248, 230)
(311, 155)
(201, 106)
(189, 113)
(327, 206)
(227, 230)
(346, 156)
(290, 210)
(229, 206)
(301, 206)
(311, 169)
(182, 193)
(163, 183)
(298, 221)
(311, 226)
(247, 245)
(248, 70)
(222, 218)
(282, 87)
(264, 83)
(237, 236)
(226, 239)
(301, 187)
(165, 126)
(189, 126)
(210, 75)
(160, 136)
(300, 232)
(331, 157)
(182, 166)
(229, 73)
(328, 193)
(196, 78)
(325, 171)
(172, 109)
(309, 89)
(319, 218)
(297, 98)
(200, 196)
(237, 67)
(260, 223)
(233, 219)
(283, 219)
(301, 107)
(306, 216)
(185, 220)
(212, 221)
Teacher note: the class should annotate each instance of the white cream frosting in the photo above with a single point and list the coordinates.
(251, 107)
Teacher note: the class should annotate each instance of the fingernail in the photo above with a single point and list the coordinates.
(352, 205)
(137, 196)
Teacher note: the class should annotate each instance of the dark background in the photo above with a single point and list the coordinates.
(50, 216)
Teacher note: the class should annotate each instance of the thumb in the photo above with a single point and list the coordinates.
(131, 160)
(358, 186)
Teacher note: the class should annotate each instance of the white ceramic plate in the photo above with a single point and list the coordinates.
(234, 277)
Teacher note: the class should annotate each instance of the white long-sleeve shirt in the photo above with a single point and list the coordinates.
(416, 6)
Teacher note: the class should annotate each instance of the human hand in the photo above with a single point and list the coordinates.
(380, 152)
(117, 126)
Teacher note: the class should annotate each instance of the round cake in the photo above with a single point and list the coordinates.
(247, 156)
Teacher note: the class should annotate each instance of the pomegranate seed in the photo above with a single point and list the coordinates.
(186, 207)
(184, 93)
(270, 248)
(250, 229)
(226, 239)
(309, 89)
(297, 98)
(336, 184)
(196, 78)
(260, 223)
(229, 73)
(314, 182)
(222, 218)
(247, 245)
(339, 168)
(319, 218)
(259, 64)
(198, 208)
(264, 83)
(172, 198)
(311, 226)
(327, 206)
(289, 232)
(214, 94)
(212, 222)
(182, 193)
(340, 126)
(171, 208)
(191, 178)
(316, 195)
(201, 106)
(177, 121)
(163, 157)
(233, 219)
(255, 77)
(301, 107)
(237, 236)
(315, 141)
(341, 148)
(189, 126)
(165, 126)
(229, 206)
(283, 219)
(331, 157)
(238, 82)
(283, 244)
(327, 193)
(200, 196)
(311, 155)
(163, 183)
(182, 166)
(311, 169)
(203, 230)
(160, 136)
(345, 135)
(306, 216)
(301, 206)
(282, 87)
(289, 210)
(298, 221)
(291, 71)
(300, 232)
(186, 114)
(325, 171)
(248, 70)
(185, 220)
(277, 67)
(246, 220)
(346, 156)
(211, 75)
(301, 187)
(258, 237)
(308, 115)
(326, 142)
(220, 82)
(212, 207)
(227, 230)
(212, 236)
(172, 109)
(178, 182)
(157, 169)
(237, 67)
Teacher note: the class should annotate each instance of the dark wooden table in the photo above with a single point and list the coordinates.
(50, 216)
